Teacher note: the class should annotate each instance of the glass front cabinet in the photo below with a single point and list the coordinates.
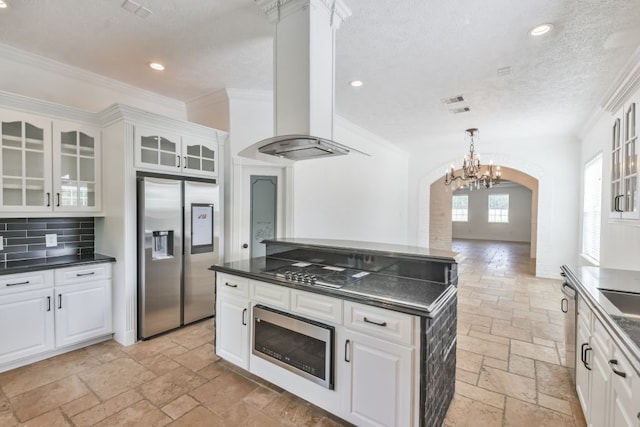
(624, 165)
(173, 153)
(47, 166)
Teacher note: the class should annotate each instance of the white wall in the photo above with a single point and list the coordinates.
(619, 239)
(353, 197)
(553, 161)
(518, 229)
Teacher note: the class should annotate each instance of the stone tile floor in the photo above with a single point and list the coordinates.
(509, 373)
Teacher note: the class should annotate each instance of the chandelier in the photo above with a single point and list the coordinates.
(473, 173)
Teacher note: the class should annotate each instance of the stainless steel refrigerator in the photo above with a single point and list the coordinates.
(179, 226)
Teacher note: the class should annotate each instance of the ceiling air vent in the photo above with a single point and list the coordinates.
(504, 71)
(136, 8)
(452, 100)
(460, 110)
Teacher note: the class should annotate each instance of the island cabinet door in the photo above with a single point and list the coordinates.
(232, 329)
(379, 380)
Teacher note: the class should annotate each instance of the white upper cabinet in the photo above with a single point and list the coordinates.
(76, 167)
(624, 164)
(26, 163)
(48, 166)
(173, 153)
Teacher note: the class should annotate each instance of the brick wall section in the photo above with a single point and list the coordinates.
(438, 364)
(24, 238)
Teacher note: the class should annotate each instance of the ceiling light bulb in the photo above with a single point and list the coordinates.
(156, 66)
(3, 5)
(540, 30)
(356, 83)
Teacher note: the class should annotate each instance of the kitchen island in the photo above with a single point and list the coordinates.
(375, 326)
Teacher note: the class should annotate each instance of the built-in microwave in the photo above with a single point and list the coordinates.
(300, 345)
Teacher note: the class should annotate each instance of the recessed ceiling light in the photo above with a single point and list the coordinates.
(540, 30)
(3, 5)
(356, 83)
(156, 66)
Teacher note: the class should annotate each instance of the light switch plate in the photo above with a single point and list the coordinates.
(51, 240)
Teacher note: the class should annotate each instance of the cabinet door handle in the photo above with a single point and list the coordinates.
(564, 305)
(614, 362)
(178, 160)
(616, 203)
(85, 274)
(244, 313)
(383, 324)
(17, 284)
(231, 285)
(184, 162)
(48, 199)
(58, 199)
(586, 365)
(59, 301)
(347, 347)
(48, 303)
(582, 353)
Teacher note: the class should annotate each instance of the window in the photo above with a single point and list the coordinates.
(498, 208)
(591, 208)
(460, 208)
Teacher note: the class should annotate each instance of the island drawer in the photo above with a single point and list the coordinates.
(316, 306)
(12, 283)
(272, 295)
(233, 285)
(82, 273)
(379, 322)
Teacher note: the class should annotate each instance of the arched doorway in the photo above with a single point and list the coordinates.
(440, 224)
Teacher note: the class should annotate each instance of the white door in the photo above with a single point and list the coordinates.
(380, 381)
(82, 312)
(27, 319)
(232, 329)
(262, 209)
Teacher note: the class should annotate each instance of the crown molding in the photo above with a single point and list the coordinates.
(207, 99)
(95, 79)
(625, 84)
(591, 121)
(249, 95)
(50, 109)
(119, 112)
(278, 9)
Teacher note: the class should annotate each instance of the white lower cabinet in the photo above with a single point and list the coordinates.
(378, 379)
(41, 314)
(27, 324)
(232, 329)
(606, 383)
(83, 311)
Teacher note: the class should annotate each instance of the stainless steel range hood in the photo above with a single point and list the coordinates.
(303, 82)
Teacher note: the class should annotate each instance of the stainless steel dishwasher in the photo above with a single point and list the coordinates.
(568, 306)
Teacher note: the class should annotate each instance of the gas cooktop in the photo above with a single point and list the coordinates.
(318, 275)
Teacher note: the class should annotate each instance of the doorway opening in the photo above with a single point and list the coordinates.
(510, 217)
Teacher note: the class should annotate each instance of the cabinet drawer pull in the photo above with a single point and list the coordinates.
(244, 313)
(614, 362)
(231, 285)
(59, 301)
(48, 303)
(383, 324)
(58, 199)
(17, 284)
(48, 199)
(347, 347)
(85, 274)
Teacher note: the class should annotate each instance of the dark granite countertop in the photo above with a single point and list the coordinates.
(413, 296)
(626, 329)
(380, 248)
(28, 265)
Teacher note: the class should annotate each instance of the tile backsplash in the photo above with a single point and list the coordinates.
(24, 238)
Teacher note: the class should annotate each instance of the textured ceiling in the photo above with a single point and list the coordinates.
(410, 54)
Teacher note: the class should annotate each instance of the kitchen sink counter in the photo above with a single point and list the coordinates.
(26, 266)
(408, 295)
(588, 281)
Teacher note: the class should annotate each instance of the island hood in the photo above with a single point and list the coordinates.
(303, 82)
